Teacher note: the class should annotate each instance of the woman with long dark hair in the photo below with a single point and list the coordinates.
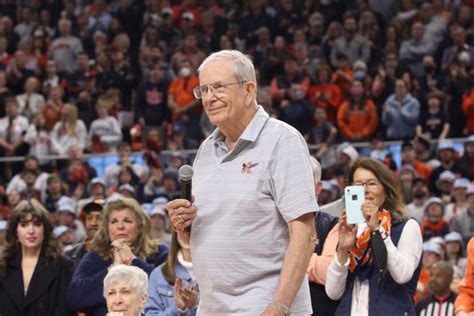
(34, 276)
(378, 262)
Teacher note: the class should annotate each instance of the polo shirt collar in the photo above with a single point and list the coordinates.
(252, 130)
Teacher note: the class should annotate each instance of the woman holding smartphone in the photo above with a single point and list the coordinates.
(376, 268)
(34, 275)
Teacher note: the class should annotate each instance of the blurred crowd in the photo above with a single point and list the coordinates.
(118, 76)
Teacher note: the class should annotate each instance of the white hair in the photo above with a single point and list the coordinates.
(317, 170)
(133, 276)
(244, 69)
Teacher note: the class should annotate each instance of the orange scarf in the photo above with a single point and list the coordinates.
(361, 254)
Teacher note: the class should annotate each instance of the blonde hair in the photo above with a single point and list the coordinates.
(144, 246)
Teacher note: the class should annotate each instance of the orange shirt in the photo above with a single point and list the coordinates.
(468, 109)
(328, 97)
(465, 300)
(182, 90)
(360, 122)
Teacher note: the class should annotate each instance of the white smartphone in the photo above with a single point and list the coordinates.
(354, 196)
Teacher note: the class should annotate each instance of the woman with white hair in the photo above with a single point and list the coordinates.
(125, 290)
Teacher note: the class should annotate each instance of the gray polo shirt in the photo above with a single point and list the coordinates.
(245, 198)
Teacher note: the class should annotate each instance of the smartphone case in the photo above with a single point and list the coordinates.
(354, 196)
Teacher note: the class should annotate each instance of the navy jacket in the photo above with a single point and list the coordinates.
(86, 291)
(46, 295)
(386, 297)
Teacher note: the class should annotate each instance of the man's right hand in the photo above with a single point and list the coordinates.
(181, 213)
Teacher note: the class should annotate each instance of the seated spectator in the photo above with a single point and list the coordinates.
(447, 157)
(125, 290)
(112, 171)
(190, 51)
(433, 122)
(400, 113)
(467, 160)
(123, 238)
(357, 116)
(91, 216)
(460, 51)
(324, 94)
(66, 208)
(455, 251)
(96, 191)
(53, 108)
(38, 138)
(323, 133)
(420, 194)
(459, 204)
(464, 304)
(351, 43)
(29, 191)
(409, 157)
(464, 222)
(343, 75)
(52, 78)
(176, 279)
(152, 100)
(17, 72)
(291, 75)
(441, 276)
(18, 183)
(68, 131)
(120, 74)
(159, 220)
(424, 40)
(77, 173)
(432, 253)
(105, 133)
(433, 224)
(65, 48)
(30, 102)
(181, 101)
(64, 236)
(406, 176)
(54, 191)
(296, 110)
(12, 129)
(423, 151)
(176, 138)
(445, 185)
(167, 187)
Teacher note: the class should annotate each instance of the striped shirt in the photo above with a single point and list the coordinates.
(245, 198)
(435, 306)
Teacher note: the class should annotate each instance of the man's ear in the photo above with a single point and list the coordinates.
(250, 91)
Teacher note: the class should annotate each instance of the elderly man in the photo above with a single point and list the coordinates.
(253, 213)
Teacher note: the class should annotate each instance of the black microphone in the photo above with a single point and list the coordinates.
(186, 173)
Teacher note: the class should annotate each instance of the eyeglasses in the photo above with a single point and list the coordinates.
(369, 185)
(215, 88)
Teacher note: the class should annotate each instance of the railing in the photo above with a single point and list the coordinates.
(101, 161)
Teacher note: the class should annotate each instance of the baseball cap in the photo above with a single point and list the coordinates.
(188, 15)
(127, 187)
(157, 210)
(470, 190)
(167, 11)
(453, 236)
(349, 150)
(97, 180)
(3, 225)
(432, 247)
(445, 144)
(66, 204)
(461, 183)
(446, 176)
(59, 231)
(433, 200)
